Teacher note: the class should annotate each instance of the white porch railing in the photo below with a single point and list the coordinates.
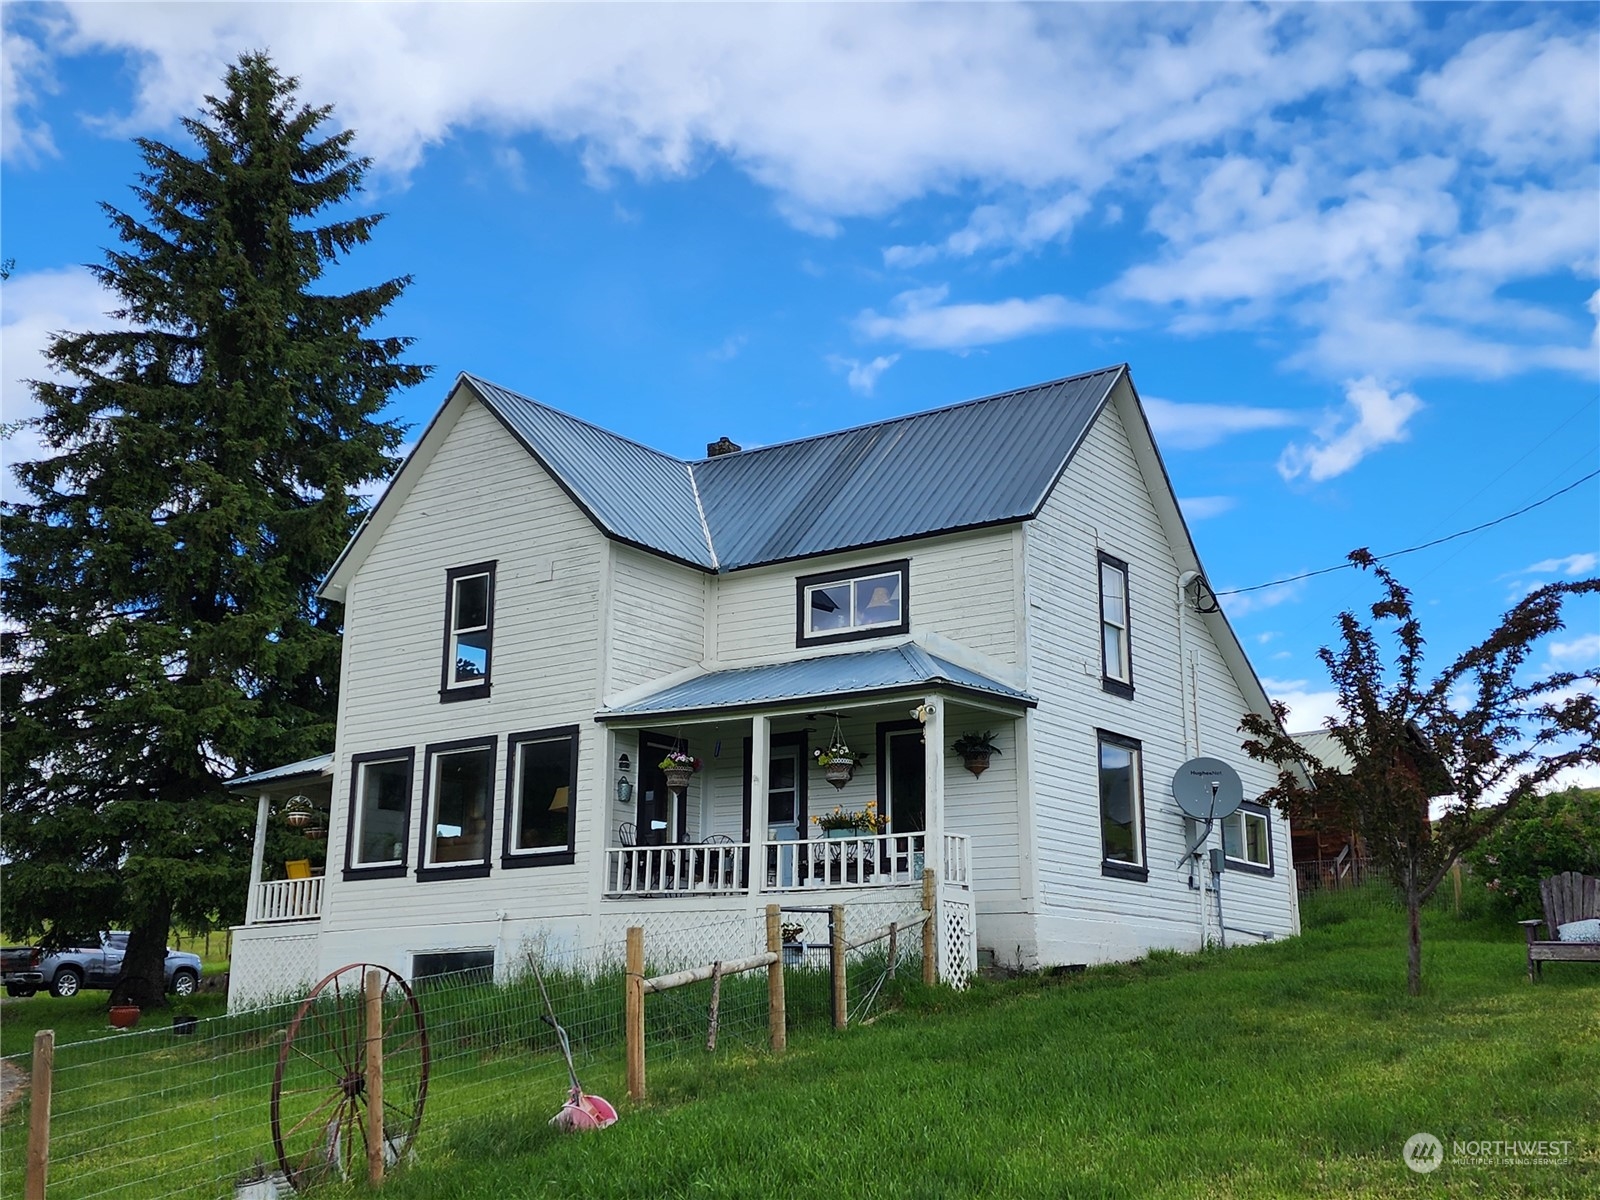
(882, 860)
(288, 900)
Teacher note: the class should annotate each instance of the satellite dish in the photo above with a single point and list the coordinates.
(1207, 789)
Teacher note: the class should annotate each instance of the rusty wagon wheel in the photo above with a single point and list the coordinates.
(320, 1107)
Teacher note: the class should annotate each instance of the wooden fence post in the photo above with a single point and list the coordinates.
(841, 995)
(930, 961)
(777, 1016)
(44, 1058)
(374, 1005)
(633, 1011)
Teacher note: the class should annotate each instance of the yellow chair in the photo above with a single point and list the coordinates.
(297, 868)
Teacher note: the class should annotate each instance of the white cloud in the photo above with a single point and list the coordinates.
(920, 318)
(729, 348)
(1200, 508)
(1307, 709)
(1242, 604)
(1373, 417)
(1572, 564)
(26, 75)
(998, 226)
(1580, 652)
(862, 376)
(33, 306)
(1197, 426)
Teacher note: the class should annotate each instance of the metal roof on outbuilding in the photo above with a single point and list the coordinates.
(890, 669)
(307, 768)
(982, 462)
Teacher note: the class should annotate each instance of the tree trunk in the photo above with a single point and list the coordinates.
(1414, 931)
(142, 981)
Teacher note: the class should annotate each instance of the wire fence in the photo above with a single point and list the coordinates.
(187, 1110)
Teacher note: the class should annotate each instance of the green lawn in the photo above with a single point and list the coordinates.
(1298, 1068)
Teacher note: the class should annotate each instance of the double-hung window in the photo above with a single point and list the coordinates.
(1121, 808)
(541, 797)
(843, 606)
(468, 632)
(457, 805)
(380, 813)
(1116, 652)
(1247, 840)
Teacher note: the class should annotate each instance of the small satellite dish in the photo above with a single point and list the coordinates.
(1207, 789)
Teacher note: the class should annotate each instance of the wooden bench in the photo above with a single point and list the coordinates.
(1566, 897)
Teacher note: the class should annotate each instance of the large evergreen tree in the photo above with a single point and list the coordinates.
(161, 628)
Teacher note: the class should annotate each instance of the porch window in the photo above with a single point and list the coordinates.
(1121, 808)
(380, 813)
(468, 632)
(849, 605)
(1247, 840)
(1116, 655)
(541, 797)
(457, 806)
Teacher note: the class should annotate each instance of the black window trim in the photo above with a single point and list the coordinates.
(1109, 867)
(1244, 865)
(902, 566)
(450, 693)
(1108, 682)
(433, 750)
(513, 858)
(352, 869)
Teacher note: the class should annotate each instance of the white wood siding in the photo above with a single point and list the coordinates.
(1102, 503)
(962, 588)
(480, 498)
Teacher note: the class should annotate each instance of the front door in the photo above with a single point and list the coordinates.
(661, 813)
(902, 776)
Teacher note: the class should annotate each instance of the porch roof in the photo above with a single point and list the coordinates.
(306, 768)
(835, 676)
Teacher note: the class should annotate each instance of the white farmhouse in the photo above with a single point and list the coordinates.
(539, 611)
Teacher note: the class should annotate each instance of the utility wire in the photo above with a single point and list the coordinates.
(1449, 537)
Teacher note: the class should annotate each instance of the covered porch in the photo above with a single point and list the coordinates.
(822, 774)
(289, 861)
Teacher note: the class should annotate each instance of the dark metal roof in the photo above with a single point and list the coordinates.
(309, 768)
(631, 491)
(979, 463)
(890, 669)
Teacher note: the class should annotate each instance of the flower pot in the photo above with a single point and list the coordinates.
(297, 817)
(793, 954)
(839, 773)
(976, 763)
(678, 778)
(843, 832)
(124, 1016)
(184, 1024)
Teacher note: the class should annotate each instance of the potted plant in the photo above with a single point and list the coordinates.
(679, 765)
(975, 749)
(297, 811)
(793, 947)
(124, 1016)
(847, 822)
(838, 761)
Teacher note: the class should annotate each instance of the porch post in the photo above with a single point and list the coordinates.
(257, 859)
(760, 760)
(933, 758)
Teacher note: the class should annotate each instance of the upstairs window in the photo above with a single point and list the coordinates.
(468, 632)
(541, 795)
(1247, 840)
(844, 606)
(1116, 656)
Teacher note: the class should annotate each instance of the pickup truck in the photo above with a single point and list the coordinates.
(19, 970)
(67, 971)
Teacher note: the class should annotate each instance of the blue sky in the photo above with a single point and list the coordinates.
(1350, 251)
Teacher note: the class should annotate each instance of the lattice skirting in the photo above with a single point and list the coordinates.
(270, 965)
(956, 937)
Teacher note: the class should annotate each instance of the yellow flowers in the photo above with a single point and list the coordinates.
(867, 819)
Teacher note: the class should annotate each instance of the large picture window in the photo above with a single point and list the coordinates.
(1247, 840)
(1116, 652)
(1121, 808)
(541, 797)
(457, 804)
(468, 632)
(846, 605)
(380, 813)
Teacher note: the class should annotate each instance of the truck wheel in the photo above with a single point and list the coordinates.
(66, 983)
(19, 989)
(184, 983)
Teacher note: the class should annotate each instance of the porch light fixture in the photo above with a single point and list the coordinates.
(922, 712)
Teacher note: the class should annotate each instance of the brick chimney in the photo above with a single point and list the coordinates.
(723, 446)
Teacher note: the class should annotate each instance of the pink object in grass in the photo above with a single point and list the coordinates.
(583, 1112)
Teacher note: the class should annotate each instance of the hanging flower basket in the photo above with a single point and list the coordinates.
(838, 761)
(679, 765)
(297, 812)
(678, 778)
(975, 750)
(839, 772)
